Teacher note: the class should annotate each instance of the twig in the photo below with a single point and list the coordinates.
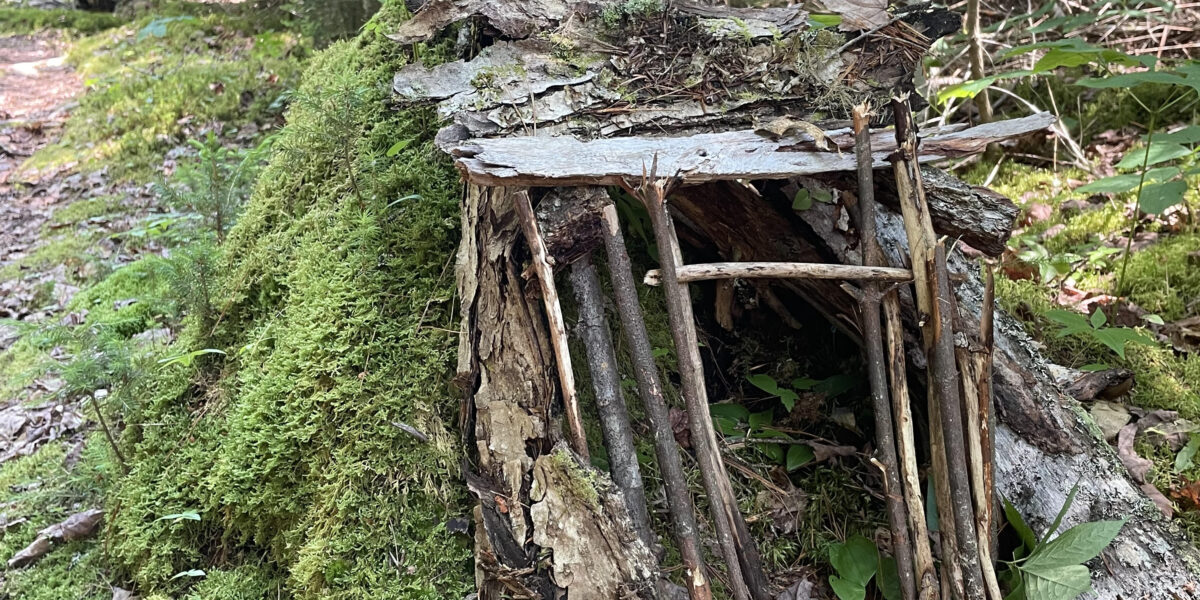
(876, 365)
(976, 363)
(746, 578)
(610, 403)
(558, 329)
(906, 445)
(764, 270)
(933, 301)
(679, 500)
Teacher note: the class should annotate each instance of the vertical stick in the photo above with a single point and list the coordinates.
(679, 500)
(876, 363)
(934, 301)
(977, 396)
(745, 568)
(926, 574)
(558, 329)
(975, 50)
(610, 403)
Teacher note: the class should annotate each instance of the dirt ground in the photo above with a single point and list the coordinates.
(37, 90)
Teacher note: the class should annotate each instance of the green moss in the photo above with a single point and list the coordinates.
(334, 311)
(38, 487)
(32, 20)
(1164, 379)
(153, 83)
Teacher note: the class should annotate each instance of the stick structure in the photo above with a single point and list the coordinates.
(781, 270)
(746, 577)
(679, 499)
(558, 329)
(975, 361)
(869, 301)
(610, 402)
(935, 302)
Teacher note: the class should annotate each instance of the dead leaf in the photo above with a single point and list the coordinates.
(1138, 466)
(1164, 505)
(30, 553)
(123, 594)
(824, 452)
(1110, 417)
(679, 426)
(801, 590)
(1038, 212)
(1109, 384)
(76, 527)
(859, 14)
(777, 129)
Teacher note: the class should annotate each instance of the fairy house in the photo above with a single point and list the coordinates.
(740, 112)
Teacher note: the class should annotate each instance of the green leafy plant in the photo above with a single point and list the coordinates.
(857, 561)
(1096, 327)
(1045, 569)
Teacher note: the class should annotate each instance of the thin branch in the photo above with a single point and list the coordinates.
(558, 329)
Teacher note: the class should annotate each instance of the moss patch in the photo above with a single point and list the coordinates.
(334, 306)
(32, 20)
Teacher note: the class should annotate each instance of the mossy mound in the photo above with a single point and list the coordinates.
(334, 308)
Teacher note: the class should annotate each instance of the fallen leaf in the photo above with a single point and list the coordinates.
(1138, 466)
(858, 14)
(1109, 384)
(801, 590)
(1110, 417)
(122, 594)
(679, 426)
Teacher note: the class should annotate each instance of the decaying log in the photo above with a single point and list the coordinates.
(780, 270)
(506, 372)
(566, 160)
(582, 66)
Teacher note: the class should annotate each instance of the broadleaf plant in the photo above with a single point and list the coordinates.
(1053, 569)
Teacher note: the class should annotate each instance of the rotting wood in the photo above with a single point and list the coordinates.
(746, 577)
(566, 160)
(605, 61)
(507, 376)
(558, 329)
(780, 270)
(932, 286)
(973, 215)
(610, 403)
(871, 296)
(679, 499)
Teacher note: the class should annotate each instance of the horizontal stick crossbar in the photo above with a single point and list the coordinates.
(781, 270)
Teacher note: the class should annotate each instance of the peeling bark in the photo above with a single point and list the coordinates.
(506, 368)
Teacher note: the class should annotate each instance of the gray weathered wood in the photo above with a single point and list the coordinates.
(566, 160)
(780, 270)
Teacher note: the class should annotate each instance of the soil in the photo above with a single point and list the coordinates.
(37, 89)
